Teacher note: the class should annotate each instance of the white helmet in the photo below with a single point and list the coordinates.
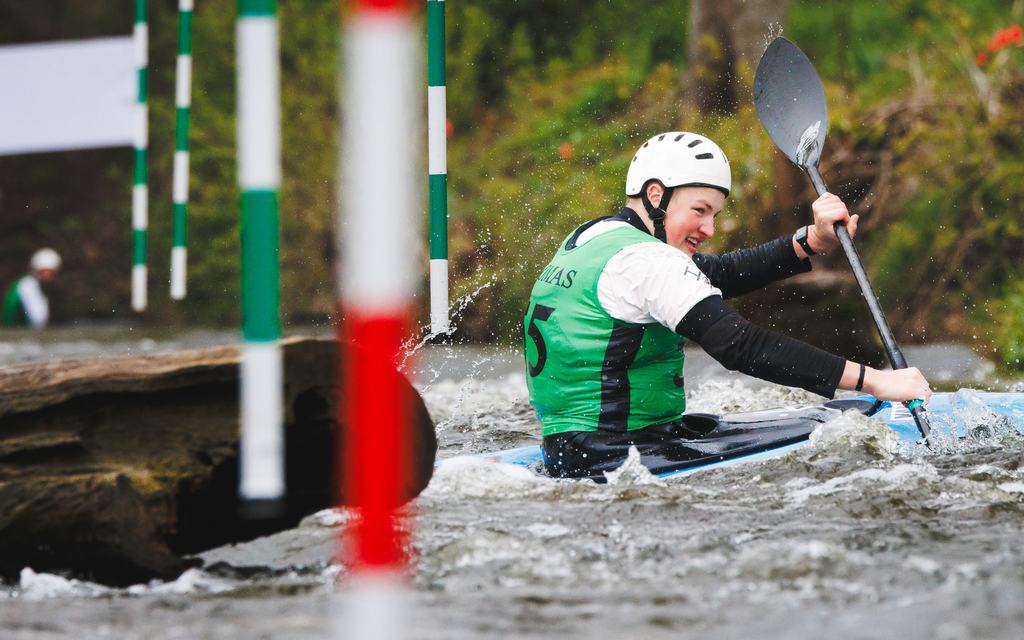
(678, 159)
(45, 259)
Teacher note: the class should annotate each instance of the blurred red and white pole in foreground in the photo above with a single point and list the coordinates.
(378, 232)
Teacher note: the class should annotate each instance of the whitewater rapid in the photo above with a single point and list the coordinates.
(852, 535)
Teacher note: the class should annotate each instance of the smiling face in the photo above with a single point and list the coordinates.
(690, 217)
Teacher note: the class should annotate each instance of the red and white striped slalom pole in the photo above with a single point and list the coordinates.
(379, 223)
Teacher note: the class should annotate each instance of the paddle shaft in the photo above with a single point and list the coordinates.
(896, 359)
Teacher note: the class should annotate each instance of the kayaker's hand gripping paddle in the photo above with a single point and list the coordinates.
(790, 102)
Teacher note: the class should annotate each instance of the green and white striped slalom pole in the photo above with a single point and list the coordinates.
(183, 105)
(140, 190)
(261, 459)
(437, 167)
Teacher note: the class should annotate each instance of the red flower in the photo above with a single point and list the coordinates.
(996, 43)
(565, 150)
(449, 128)
(1006, 37)
(981, 59)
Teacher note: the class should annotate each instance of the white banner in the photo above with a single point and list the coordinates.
(76, 94)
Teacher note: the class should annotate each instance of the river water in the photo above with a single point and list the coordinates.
(851, 536)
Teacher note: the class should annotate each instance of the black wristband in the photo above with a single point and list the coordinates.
(801, 239)
(860, 379)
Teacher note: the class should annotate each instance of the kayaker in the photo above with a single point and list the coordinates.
(608, 316)
(25, 303)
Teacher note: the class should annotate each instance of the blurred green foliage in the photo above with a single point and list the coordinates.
(954, 255)
(548, 101)
(1010, 337)
(930, 137)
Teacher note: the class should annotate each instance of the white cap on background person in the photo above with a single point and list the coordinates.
(45, 260)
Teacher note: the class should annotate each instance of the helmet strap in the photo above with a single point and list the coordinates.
(657, 213)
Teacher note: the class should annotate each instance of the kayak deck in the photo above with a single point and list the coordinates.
(761, 435)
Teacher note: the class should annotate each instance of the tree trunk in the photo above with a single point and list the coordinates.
(727, 38)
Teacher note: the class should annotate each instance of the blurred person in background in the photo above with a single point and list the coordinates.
(25, 303)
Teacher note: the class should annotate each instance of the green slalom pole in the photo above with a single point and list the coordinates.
(140, 189)
(183, 106)
(261, 457)
(437, 152)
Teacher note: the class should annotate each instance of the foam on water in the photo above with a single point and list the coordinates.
(973, 426)
(476, 417)
(848, 443)
(984, 426)
(193, 581)
(867, 438)
(735, 396)
(35, 586)
(788, 563)
(1011, 487)
(633, 472)
(900, 476)
(44, 586)
(546, 530)
(471, 477)
(327, 518)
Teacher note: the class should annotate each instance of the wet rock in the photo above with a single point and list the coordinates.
(115, 469)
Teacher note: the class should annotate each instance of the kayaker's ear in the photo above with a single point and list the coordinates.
(654, 193)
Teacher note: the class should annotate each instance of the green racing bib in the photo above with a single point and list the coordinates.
(586, 370)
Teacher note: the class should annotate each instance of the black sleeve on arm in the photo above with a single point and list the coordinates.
(741, 346)
(746, 270)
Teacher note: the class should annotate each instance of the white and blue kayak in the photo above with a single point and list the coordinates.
(747, 437)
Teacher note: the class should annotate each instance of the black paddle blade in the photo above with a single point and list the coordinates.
(790, 102)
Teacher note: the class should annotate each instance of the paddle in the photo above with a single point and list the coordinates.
(790, 102)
